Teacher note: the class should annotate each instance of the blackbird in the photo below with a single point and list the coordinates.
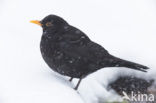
(70, 52)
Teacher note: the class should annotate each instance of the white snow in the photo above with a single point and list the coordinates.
(126, 28)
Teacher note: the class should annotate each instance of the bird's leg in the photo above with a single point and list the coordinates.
(71, 79)
(78, 84)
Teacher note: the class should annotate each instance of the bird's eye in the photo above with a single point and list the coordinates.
(48, 24)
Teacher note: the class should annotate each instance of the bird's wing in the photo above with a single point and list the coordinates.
(76, 44)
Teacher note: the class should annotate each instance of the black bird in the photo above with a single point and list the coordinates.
(70, 52)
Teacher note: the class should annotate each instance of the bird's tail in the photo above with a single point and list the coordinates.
(117, 62)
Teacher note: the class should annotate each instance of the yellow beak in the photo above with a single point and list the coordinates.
(36, 22)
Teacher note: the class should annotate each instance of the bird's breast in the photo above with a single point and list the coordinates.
(47, 46)
(50, 51)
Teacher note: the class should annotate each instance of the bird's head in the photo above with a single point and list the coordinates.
(51, 23)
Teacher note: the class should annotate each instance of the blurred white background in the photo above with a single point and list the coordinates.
(126, 28)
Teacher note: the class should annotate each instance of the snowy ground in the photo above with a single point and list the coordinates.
(126, 28)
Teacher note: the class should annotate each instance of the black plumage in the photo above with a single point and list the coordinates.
(70, 52)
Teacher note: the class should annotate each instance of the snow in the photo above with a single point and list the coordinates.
(126, 28)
